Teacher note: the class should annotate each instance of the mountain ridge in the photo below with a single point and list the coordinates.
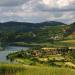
(26, 26)
(49, 22)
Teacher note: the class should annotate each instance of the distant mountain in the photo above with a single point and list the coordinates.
(52, 23)
(26, 27)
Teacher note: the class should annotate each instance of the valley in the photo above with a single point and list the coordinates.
(46, 46)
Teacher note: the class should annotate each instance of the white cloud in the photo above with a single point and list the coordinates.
(58, 3)
(64, 3)
(37, 10)
(50, 3)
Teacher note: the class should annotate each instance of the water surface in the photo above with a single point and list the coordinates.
(10, 49)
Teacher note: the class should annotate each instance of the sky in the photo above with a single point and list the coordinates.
(37, 10)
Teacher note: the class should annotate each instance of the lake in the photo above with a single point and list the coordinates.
(10, 49)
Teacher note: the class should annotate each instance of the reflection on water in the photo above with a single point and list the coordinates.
(10, 49)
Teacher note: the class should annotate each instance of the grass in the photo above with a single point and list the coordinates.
(47, 71)
(69, 41)
(59, 43)
(8, 69)
(24, 61)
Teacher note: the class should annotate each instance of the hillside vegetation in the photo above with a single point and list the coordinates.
(9, 69)
(45, 33)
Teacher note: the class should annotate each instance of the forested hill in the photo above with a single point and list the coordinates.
(35, 32)
(71, 30)
(26, 27)
(31, 32)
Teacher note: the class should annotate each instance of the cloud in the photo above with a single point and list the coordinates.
(64, 3)
(59, 3)
(37, 10)
(12, 2)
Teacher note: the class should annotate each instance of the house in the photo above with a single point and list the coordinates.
(36, 53)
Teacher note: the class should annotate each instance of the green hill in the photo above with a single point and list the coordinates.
(45, 32)
(70, 30)
(20, 31)
(25, 26)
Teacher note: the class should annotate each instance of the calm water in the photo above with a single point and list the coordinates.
(10, 49)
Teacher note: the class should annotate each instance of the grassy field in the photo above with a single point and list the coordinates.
(69, 41)
(48, 71)
(8, 69)
(60, 43)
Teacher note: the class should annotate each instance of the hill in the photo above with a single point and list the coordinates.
(32, 32)
(24, 26)
(70, 32)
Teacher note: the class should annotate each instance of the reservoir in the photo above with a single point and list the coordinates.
(8, 50)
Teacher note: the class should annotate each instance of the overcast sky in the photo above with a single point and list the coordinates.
(37, 10)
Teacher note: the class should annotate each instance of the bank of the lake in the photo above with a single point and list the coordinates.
(8, 50)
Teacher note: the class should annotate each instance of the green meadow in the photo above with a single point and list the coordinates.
(19, 69)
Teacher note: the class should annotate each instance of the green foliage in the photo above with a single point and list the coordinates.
(71, 55)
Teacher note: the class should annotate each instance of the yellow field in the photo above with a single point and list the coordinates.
(69, 41)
